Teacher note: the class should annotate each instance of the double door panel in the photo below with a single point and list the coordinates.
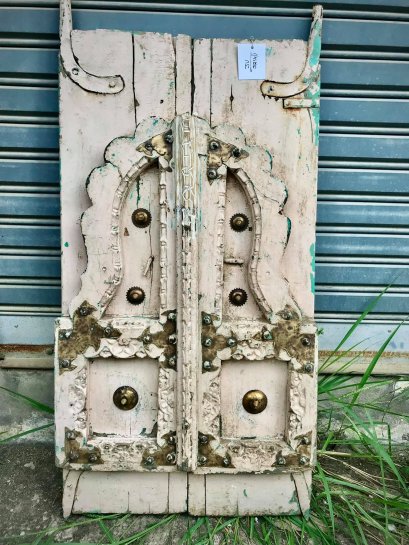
(188, 347)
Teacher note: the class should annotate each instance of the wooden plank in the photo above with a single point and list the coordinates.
(71, 479)
(122, 492)
(183, 68)
(202, 77)
(196, 500)
(154, 80)
(240, 495)
(177, 494)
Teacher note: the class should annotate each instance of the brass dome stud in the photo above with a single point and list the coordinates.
(135, 295)
(141, 218)
(254, 401)
(125, 398)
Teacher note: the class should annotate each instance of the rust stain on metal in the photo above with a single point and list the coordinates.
(78, 454)
(165, 339)
(218, 153)
(163, 456)
(212, 342)
(206, 455)
(287, 336)
(86, 332)
(161, 143)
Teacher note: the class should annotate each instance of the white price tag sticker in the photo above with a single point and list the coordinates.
(251, 61)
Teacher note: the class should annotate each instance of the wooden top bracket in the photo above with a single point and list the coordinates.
(311, 70)
(70, 66)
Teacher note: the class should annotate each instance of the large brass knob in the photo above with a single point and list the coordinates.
(141, 217)
(125, 398)
(255, 401)
(135, 295)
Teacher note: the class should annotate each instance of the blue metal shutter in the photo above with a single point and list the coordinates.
(363, 212)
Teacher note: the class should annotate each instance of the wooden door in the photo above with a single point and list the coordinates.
(186, 354)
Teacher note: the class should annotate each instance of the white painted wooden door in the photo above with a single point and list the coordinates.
(186, 354)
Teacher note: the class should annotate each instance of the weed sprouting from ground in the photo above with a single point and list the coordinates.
(360, 484)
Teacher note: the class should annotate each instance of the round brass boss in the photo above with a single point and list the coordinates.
(125, 398)
(255, 401)
(237, 297)
(141, 217)
(239, 222)
(135, 295)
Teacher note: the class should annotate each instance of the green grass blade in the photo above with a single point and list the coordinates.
(325, 484)
(373, 362)
(30, 401)
(27, 432)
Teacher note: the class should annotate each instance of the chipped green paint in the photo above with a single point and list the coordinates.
(298, 130)
(316, 47)
(270, 157)
(288, 230)
(66, 244)
(155, 122)
(294, 498)
(269, 51)
(245, 493)
(312, 273)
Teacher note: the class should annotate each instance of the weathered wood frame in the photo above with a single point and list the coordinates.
(209, 57)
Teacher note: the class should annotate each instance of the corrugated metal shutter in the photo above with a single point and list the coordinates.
(363, 213)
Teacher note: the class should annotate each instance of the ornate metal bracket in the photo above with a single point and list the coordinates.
(86, 332)
(108, 85)
(161, 456)
(77, 453)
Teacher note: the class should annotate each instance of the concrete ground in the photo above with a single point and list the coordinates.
(31, 491)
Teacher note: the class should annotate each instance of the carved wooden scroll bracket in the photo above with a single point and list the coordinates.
(311, 70)
(108, 85)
